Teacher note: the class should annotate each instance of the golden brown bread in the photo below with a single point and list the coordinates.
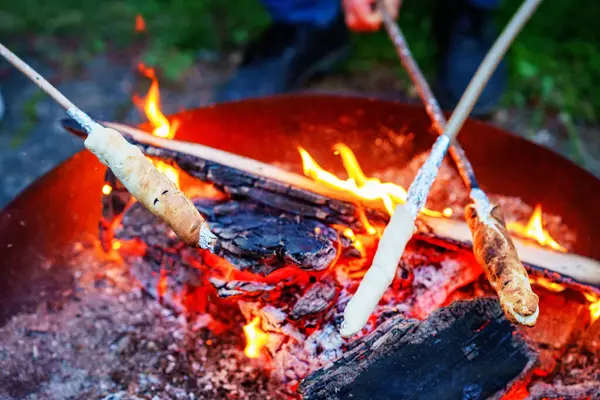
(495, 251)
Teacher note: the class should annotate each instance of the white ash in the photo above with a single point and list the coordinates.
(109, 340)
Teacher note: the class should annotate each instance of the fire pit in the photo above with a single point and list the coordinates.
(131, 312)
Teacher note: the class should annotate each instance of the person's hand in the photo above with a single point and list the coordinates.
(362, 15)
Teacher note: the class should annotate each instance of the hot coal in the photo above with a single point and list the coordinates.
(318, 297)
(240, 288)
(466, 350)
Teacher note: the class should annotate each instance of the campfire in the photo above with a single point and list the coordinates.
(331, 284)
(261, 317)
(291, 259)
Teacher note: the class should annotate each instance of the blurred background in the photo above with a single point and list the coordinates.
(92, 50)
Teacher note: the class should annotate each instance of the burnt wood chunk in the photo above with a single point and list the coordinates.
(253, 237)
(261, 239)
(318, 297)
(467, 350)
(240, 288)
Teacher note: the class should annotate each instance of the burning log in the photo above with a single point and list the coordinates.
(286, 191)
(467, 349)
(252, 237)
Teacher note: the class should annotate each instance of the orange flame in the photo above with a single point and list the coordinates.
(548, 284)
(358, 183)
(256, 339)
(349, 233)
(140, 24)
(535, 230)
(594, 305)
(595, 310)
(161, 125)
(151, 106)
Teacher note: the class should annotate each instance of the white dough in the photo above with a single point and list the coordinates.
(381, 273)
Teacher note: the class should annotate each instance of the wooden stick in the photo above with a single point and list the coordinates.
(582, 269)
(149, 186)
(492, 245)
(429, 101)
(401, 226)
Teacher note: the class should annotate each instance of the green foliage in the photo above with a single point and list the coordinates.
(555, 63)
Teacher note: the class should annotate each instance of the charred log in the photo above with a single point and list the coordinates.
(253, 237)
(465, 350)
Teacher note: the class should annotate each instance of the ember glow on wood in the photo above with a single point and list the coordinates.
(362, 304)
(152, 188)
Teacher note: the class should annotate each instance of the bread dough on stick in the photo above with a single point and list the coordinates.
(381, 273)
(149, 186)
(495, 251)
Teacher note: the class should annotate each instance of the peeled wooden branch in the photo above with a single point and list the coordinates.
(364, 301)
(492, 245)
(150, 187)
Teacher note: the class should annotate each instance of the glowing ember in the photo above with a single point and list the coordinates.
(106, 189)
(161, 286)
(161, 125)
(140, 24)
(535, 230)
(116, 245)
(256, 339)
(358, 183)
(594, 305)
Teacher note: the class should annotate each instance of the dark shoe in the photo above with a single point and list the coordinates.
(464, 35)
(285, 57)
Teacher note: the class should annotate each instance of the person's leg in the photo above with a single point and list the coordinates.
(465, 31)
(306, 37)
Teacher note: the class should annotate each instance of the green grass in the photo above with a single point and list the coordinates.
(555, 64)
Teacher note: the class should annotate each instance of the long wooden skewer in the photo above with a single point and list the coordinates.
(137, 173)
(402, 224)
(504, 270)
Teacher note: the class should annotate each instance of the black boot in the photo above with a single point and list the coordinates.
(285, 57)
(464, 35)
